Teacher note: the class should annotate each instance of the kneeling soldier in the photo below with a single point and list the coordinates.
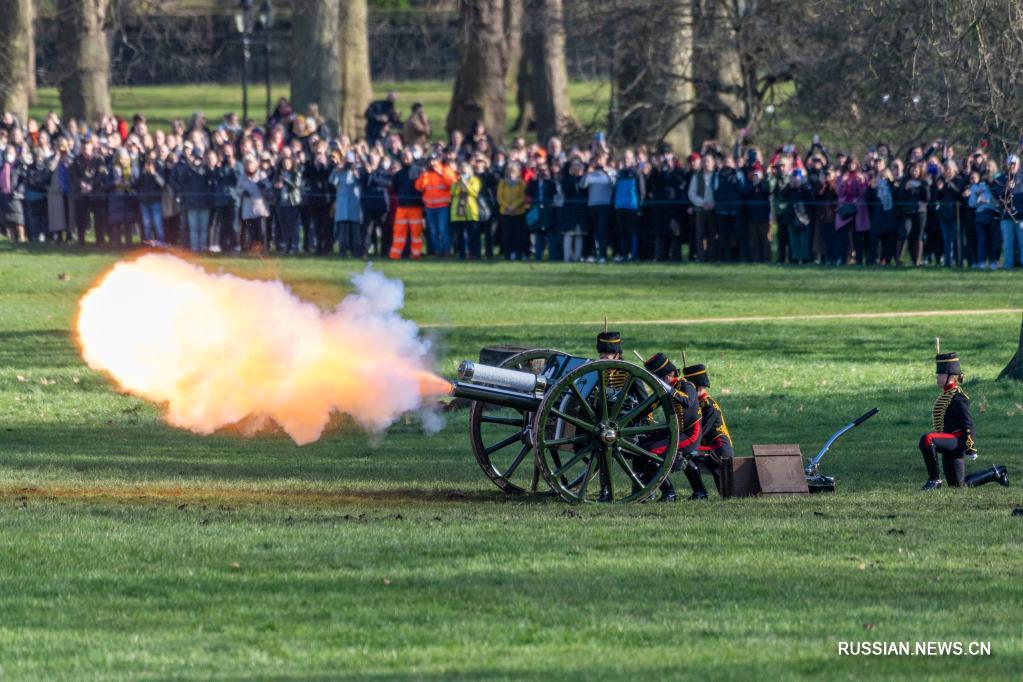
(715, 451)
(953, 433)
(687, 408)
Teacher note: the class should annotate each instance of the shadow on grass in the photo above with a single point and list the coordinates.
(36, 348)
(212, 494)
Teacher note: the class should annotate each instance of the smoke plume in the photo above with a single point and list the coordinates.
(220, 350)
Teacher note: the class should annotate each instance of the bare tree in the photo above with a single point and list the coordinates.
(356, 87)
(543, 77)
(652, 95)
(917, 69)
(479, 92)
(15, 47)
(687, 70)
(84, 78)
(742, 50)
(315, 57)
(717, 70)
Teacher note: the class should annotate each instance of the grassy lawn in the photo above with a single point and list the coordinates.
(164, 103)
(132, 550)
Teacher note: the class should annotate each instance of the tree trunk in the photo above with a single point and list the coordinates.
(84, 78)
(479, 93)
(652, 98)
(544, 46)
(316, 58)
(1014, 370)
(15, 46)
(33, 95)
(524, 93)
(514, 16)
(356, 87)
(717, 67)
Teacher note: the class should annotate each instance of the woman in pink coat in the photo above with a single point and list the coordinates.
(853, 217)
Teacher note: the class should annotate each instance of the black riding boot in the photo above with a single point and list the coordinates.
(955, 469)
(930, 455)
(692, 473)
(668, 493)
(992, 475)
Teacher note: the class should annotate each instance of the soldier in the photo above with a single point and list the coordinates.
(687, 407)
(609, 347)
(953, 433)
(715, 451)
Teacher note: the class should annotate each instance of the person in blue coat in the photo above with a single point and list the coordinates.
(348, 182)
(630, 188)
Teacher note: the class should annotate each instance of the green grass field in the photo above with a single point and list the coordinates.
(131, 550)
(164, 103)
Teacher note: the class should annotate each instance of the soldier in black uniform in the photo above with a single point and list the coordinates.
(715, 451)
(609, 347)
(687, 407)
(952, 437)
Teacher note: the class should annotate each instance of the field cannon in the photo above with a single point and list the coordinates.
(593, 430)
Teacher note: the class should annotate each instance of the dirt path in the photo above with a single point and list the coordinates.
(757, 318)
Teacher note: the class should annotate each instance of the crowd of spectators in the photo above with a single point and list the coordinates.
(292, 186)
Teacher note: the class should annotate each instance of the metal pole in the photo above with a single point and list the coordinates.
(245, 76)
(266, 72)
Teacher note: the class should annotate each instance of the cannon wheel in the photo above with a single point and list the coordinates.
(610, 437)
(502, 438)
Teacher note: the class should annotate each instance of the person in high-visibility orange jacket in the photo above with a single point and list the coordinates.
(408, 216)
(435, 185)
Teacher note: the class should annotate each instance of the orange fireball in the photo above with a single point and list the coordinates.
(218, 349)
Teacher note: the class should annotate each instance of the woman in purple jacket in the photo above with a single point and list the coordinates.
(852, 213)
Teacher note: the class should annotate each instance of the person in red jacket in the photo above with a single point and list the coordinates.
(435, 186)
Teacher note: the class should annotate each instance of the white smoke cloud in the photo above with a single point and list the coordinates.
(220, 350)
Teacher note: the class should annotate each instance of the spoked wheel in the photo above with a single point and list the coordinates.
(604, 444)
(502, 437)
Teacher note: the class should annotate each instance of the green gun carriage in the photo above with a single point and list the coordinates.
(585, 427)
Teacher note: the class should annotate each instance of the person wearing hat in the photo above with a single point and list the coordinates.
(952, 436)
(609, 347)
(715, 451)
(687, 408)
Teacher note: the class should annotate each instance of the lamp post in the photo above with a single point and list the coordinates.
(266, 21)
(244, 19)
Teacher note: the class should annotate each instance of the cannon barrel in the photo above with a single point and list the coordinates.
(499, 386)
(523, 382)
(496, 396)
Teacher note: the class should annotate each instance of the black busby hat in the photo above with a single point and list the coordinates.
(609, 342)
(947, 363)
(697, 375)
(659, 365)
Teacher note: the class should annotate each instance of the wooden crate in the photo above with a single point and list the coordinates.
(780, 470)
